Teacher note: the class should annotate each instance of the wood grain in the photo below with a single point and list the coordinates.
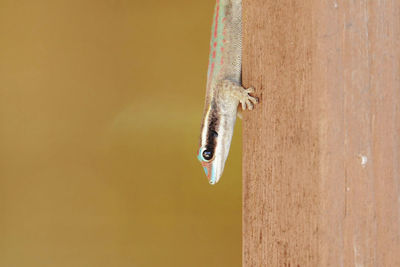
(321, 153)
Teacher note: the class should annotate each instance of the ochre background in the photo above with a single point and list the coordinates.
(100, 110)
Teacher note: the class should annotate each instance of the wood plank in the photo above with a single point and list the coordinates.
(321, 161)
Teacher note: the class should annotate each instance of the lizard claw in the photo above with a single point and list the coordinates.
(247, 100)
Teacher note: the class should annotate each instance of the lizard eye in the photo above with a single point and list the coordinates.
(207, 154)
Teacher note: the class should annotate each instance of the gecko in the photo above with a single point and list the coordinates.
(224, 90)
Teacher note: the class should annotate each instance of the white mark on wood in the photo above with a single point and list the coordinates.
(347, 189)
(335, 4)
(364, 160)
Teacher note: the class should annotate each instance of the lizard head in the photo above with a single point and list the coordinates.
(207, 160)
(215, 141)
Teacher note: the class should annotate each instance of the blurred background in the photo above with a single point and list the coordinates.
(100, 111)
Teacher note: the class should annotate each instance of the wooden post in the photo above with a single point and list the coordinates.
(321, 153)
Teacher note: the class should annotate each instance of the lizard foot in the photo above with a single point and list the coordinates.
(246, 100)
(241, 94)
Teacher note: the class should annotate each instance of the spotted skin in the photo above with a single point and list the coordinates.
(218, 32)
(224, 90)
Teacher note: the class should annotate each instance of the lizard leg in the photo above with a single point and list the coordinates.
(239, 93)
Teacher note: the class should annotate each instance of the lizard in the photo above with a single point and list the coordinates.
(224, 90)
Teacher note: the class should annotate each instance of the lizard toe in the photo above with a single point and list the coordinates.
(243, 102)
(250, 90)
(249, 104)
(254, 100)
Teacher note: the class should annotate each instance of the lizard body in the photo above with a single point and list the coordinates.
(224, 88)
